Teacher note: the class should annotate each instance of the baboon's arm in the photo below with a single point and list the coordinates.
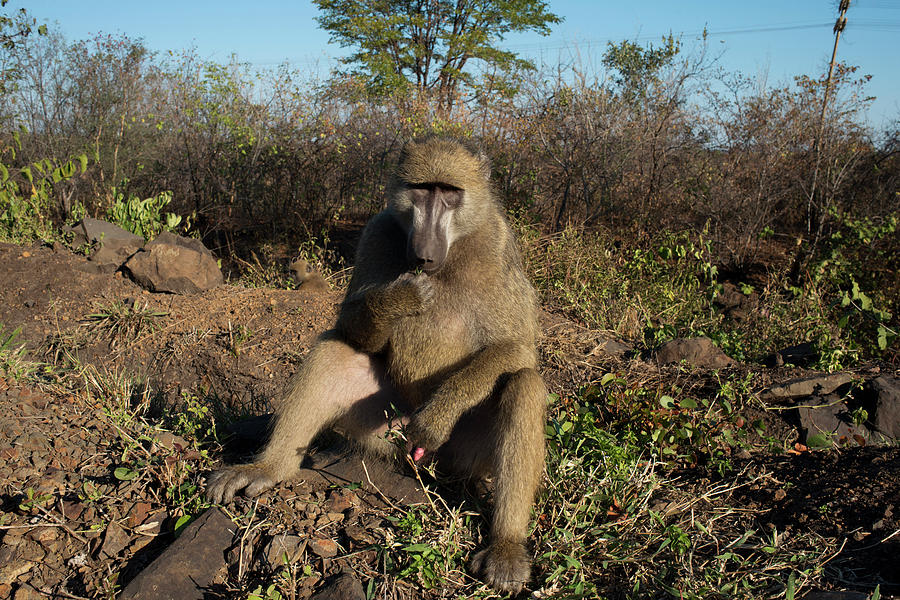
(367, 316)
(380, 290)
(432, 424)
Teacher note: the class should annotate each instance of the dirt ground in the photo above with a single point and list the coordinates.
(58, 454)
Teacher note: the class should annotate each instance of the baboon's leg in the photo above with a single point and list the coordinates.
(517, 463)
(373, 421)
(333, 379)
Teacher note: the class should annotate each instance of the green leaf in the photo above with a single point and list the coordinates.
(125, 474)
(182, 521)
(667, 402)
(865, 302)
(688, 403)
(882, 337)
(818, 440)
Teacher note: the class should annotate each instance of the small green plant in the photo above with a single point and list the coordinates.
(33, 500)
(125, 473)
(425, 563)
(236, 338)
(194, 419)
(90, 492)
(124, 320)
(412, 523)
(859, 416)
(142, 217)
(677, 539)
(858, 303)
(12, 356)
(270, 593)
(425, 548)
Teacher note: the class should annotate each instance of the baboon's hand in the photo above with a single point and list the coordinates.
(429, 427)
(254, 478)
(409, 294)
(504, 565)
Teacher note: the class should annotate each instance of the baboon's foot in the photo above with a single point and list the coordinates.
(254, 478)
(504, 565)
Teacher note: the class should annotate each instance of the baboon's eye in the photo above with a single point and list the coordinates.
(420, 194)
(451, 197)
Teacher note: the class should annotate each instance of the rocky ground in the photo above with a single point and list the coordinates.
(99, 499)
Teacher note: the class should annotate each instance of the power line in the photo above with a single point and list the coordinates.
(863, 24)
(858, 25)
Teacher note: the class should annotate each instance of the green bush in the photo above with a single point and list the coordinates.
(143, 217)
(27, 198)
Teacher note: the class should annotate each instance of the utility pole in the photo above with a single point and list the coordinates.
(817, 147)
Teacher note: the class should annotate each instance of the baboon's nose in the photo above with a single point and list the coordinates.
(426, 252)
(428, 265)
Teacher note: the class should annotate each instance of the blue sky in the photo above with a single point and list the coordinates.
(766, 38)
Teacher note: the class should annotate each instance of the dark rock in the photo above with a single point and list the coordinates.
(729, 297)
(830, 421)
(113, 254)
(18, 559)
(700, 352)
(243, 552)
(733, 302)
(114, 540)
(171, 263)
(799, 355)
(340, 501)
(342, 587)
(96, 230)
(27, 592)
(115, 245)
(190, 565)
(887, 405)
(72, 509)
(281, 546)
(138, 513)
(611, 347)
(376, 476)
(819, 385)
(359, 536)
(170, 441)
(323, 547)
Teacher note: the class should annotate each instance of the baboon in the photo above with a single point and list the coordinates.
(309, 279)
(440, 323)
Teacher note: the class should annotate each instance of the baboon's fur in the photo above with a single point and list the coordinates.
(307, 277)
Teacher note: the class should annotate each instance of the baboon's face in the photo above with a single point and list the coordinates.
(428, 213)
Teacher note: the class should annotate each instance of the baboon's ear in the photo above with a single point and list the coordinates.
(484, 165)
